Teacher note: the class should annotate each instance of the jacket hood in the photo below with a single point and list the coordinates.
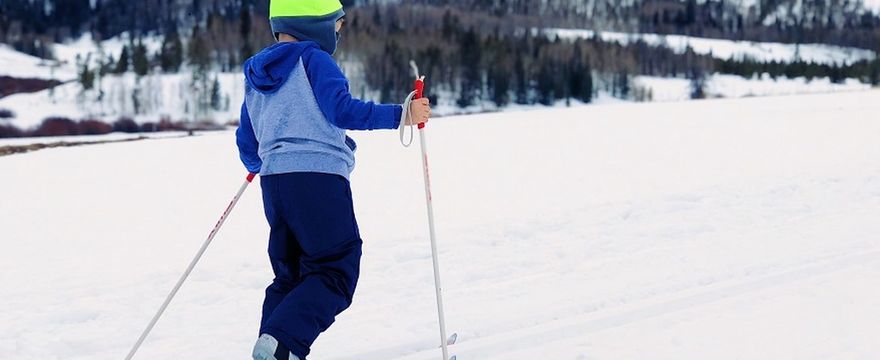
(269, 69)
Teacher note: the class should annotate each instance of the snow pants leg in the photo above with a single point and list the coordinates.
(315, 251)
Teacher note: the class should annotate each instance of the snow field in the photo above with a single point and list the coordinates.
(710, 229)
(732, 86)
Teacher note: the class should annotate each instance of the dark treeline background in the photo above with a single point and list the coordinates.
(841, 22)
(476, 51)
(491, 56)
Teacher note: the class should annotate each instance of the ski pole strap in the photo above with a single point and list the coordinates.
(405, 140)
(418, 93)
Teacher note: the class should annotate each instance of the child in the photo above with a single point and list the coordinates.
(296, 110)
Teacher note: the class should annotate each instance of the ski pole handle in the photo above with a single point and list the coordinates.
(419, 88)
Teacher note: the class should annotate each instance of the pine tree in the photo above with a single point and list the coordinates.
(216, 100)
(875, 72)
(546, 93)
(471, 81)
(522, 81)
(171, 54)
(499, 86)
(86, 76)
(122, 63)
(198, 52)
(247, 50)
(580, 82)
(698, 86)
(139, 61)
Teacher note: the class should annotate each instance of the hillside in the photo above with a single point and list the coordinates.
(721, 229)
(72, 67)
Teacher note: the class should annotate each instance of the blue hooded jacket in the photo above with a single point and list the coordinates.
(296, 110)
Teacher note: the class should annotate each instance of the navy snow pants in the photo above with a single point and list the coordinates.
(315, 251)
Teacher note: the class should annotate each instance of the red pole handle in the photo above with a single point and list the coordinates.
(419, 87)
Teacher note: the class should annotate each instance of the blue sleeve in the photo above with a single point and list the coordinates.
(335, 101)
(247, 143)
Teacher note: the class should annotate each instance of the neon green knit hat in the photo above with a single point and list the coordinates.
(298, 8)
(313, 20)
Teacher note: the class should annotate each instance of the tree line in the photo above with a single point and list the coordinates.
(475, 52)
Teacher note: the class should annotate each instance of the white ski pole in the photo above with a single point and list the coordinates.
(191, 266)
(416, 94)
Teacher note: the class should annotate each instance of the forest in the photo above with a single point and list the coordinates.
(475, 51)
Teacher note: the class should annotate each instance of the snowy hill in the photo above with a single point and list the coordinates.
(157, 95)
(727, 49)
(722, 229)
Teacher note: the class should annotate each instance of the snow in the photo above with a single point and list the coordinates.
(20, 65)
(170, 95)
(156, 96)
(873, 5)
(117, 136)
(68, 55)
(86, 47)
(727, 49)
(721, 229)
(732, 86)
(160, 95)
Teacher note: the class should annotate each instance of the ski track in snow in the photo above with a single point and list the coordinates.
(710, 229)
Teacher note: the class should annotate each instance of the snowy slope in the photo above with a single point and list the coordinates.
(719, 85)
(728, 49)
(160, 95)
(20, 65)
(722, 229)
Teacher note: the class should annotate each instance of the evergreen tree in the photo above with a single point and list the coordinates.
(139, 61)
(622, 85)
(875, 72)
(198, 52)
(86, 76)
(522, 81)
(216, 99)
(247, 50)
(171, 54)
(499, 86)
(546, 84)
(580, 82)
(698, 85)
(122, 63)
(471, 82)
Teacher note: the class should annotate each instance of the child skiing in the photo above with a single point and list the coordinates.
(292, 132)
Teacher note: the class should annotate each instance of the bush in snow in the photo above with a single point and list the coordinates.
(162, 125)
(165, 124)
(94, 127)
(9, 131)
(6, 114)
(126, 125)
(149, 127)
(57, 126)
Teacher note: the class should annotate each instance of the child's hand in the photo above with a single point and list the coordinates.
(420, 111)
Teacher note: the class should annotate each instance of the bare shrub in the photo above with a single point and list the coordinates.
(57, 126)
(6, 114)
(10, 131)
(126, 125)
(94, 127)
